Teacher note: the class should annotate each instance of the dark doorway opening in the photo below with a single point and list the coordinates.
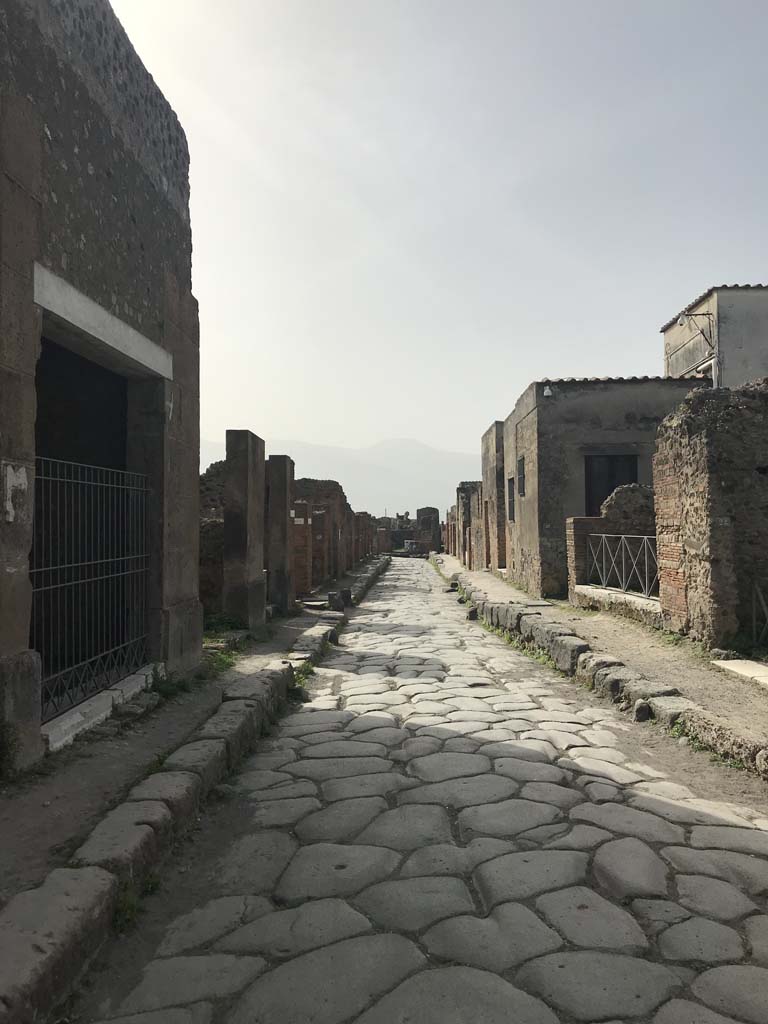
(89, 561)
(603, 473)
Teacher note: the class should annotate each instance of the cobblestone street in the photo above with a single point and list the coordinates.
(449, 833)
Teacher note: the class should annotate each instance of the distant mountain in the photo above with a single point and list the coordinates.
(397, 475)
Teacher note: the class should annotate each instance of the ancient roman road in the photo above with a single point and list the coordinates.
(450, 834)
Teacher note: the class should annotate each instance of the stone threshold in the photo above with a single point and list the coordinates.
(634, 606)
(756, 671)
(62, 731)
(609, 677)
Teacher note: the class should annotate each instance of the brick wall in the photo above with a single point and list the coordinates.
(629, 510)
(711, 481)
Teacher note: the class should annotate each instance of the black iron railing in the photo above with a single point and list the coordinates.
(89, 568)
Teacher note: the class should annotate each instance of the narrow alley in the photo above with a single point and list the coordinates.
(450, 831)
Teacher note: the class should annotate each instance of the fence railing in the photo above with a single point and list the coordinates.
(623, 562)
(89, 568)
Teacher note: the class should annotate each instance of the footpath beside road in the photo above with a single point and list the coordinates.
(450, 832)
(730, 714)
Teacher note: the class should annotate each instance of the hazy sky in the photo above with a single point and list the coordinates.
(406, 210)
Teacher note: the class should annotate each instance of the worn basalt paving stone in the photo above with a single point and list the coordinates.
(580, 837)
(388, 737)
(741, 840)
(460, 793)
(287, 791)
(656, 915)
(307, 990)
(596, 986)
(546, 792)
(191, 979)
(457, 995)
(528, 771)
(739, 989)
(626, 821)
(276, 813)
(407, 828)
(345, 748)
(337, 767)
(699, 939)
(680, 1011)
(329, 869)
(517, 876)
(201, 1013)
(446, 859)
(627, 867)
(505, 818)
(379, 784)
(586, 919)
(410, 904)
(254, 863)
(711, 897)
(509, 935)
(689, 811)
(525, 750)
(290, 932)
(342, 820)
(742, 870)
(211, 921)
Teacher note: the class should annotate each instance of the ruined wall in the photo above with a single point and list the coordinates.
(522, 510)
(478, 558)
(711, 482)
(464, 495)
(329, 494)
(492, 457)
(628, 510)
(302, 546)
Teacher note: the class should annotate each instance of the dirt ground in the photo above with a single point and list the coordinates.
(657, 656)
(47, 812)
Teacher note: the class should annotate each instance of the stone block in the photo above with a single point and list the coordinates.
(237, 722)
(544, 632)
(180, 791)
(128, 841)
(565, 652)
(644, 689)
(47, 937)
(206, 758)
(589, 663)
(611, 681)
(526, 624)
(21, 743)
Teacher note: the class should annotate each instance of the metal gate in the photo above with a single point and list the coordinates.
(623, 562)
(89, 567)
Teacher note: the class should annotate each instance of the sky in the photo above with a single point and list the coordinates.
(404, 211)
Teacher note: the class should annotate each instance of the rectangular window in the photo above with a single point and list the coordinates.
(603, 474)
(511, 499)
(521, 476)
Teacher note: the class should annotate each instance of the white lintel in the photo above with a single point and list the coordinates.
(75, 321)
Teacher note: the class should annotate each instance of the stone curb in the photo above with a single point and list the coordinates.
(49, 935)
(609, 677)
(369, 577)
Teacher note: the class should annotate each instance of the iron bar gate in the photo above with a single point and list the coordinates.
(623, 562)
(89, 568)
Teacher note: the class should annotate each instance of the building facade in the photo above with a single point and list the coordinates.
(567, 445)
(493, 497)
(99, 368)
(722, 334)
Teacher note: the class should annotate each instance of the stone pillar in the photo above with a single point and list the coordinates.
(244, 597)
(302, 546)
(278, 549)
(20, 325)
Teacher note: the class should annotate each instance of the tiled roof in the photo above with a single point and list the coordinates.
(704, 295)
(595, 380)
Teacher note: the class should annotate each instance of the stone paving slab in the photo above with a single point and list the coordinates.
(509, 835)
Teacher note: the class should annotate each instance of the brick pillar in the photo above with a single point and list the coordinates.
(278, 550)
(244, 598)
(20, 326)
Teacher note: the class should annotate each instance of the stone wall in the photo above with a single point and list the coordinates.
(711, 482)
(302, 547)
(629, 510)
(94, 193)
(465, 492)
(495, 513)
